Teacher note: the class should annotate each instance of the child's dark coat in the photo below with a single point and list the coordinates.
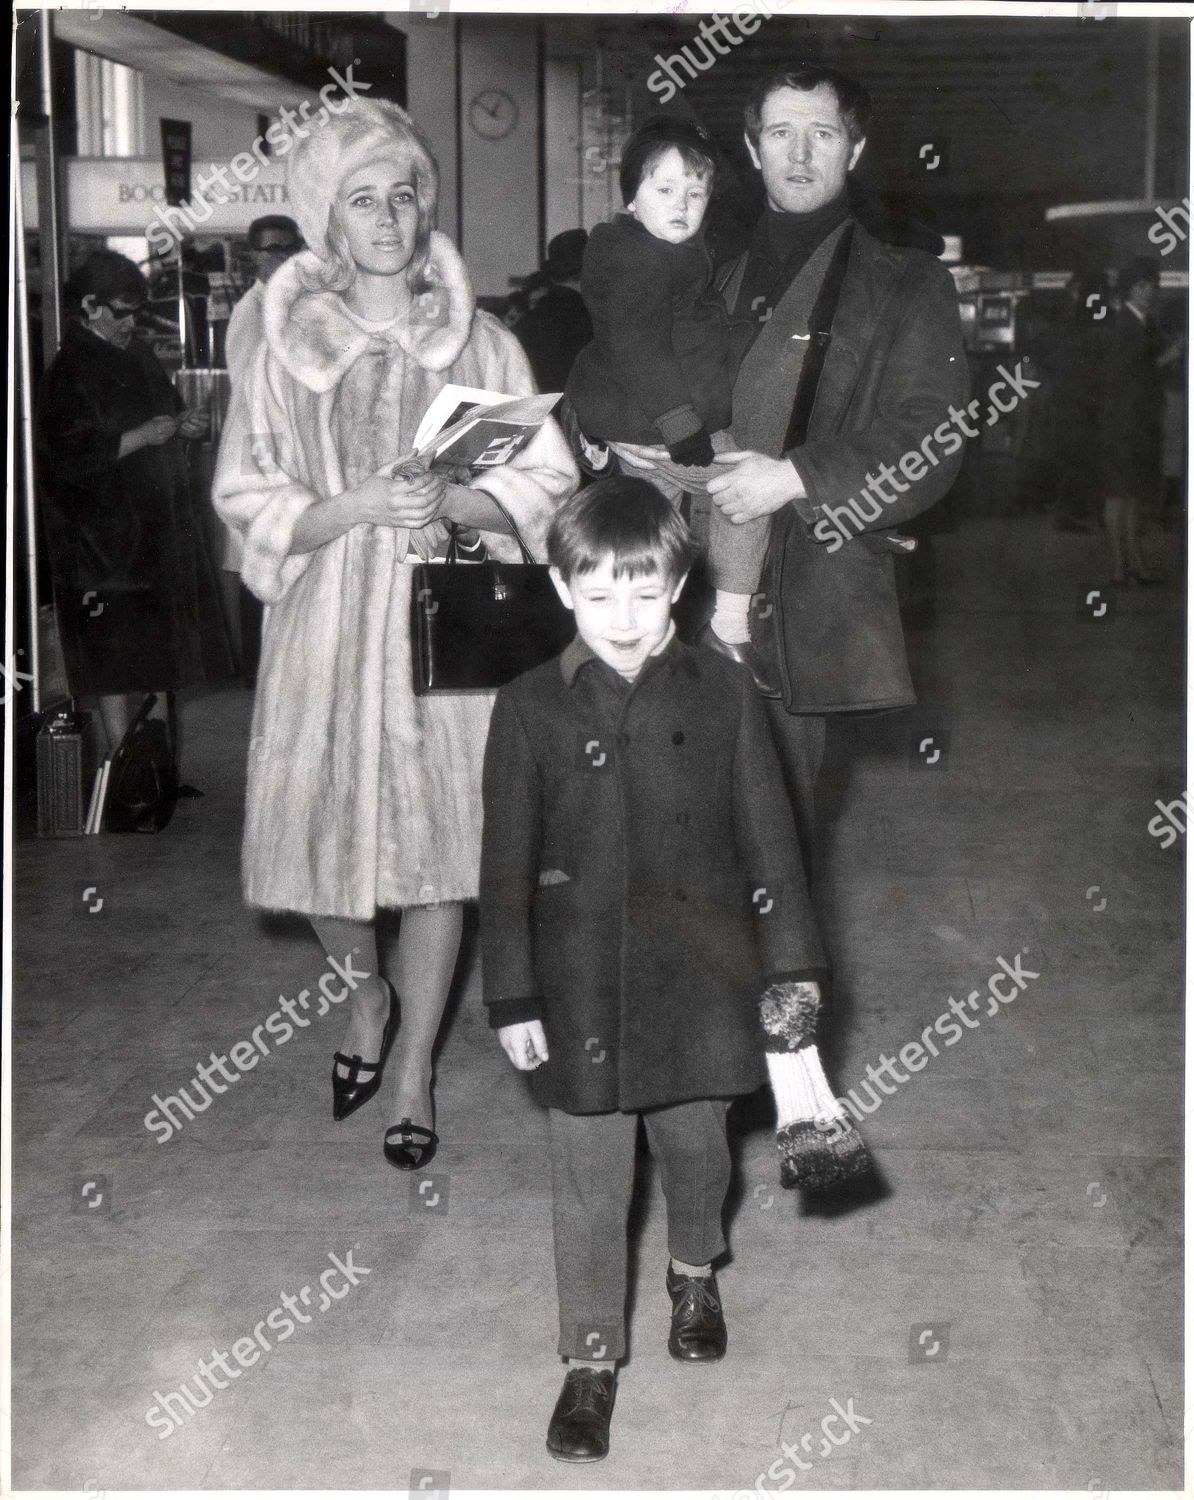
(660, 366)
(640, 878)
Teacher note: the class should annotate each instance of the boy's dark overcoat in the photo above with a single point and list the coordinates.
(640, 878)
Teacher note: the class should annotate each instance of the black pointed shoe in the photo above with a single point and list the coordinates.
(747, 655)
(698, 1323)
(349, 1093)
(408, 1146)
(578, 1432)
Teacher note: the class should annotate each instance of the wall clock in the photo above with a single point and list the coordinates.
(493, 114)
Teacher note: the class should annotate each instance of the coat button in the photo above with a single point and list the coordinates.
(681, 895)
(678, 737)
(623, 738)
(682, 819)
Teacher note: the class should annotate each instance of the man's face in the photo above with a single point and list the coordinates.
(804, 152)
(621, 619)
(273, 248)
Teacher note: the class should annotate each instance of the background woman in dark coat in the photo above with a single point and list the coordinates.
(134, 585)
(1132, 403)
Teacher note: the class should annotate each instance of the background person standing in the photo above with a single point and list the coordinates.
(1132, 404)
(134, 584)
(558, 325)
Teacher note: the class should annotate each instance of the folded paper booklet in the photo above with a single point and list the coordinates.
(473, 429)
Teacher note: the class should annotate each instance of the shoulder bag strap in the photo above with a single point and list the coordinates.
(820, 325)
(527, 555)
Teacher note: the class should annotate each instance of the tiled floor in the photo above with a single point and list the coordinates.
(1033, 1206)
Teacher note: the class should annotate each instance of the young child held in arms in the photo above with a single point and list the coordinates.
(649, 947)
(660, 367)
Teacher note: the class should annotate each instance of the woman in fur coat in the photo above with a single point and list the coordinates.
(361, 795)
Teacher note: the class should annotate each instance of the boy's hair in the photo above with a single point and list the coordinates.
(852, 99)
(625, 518)
(658, 135)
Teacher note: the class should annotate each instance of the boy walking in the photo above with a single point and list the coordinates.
(646, 930)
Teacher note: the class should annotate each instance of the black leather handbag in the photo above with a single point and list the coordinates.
(476, 626)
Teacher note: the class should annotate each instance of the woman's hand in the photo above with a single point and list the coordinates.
(194, 422)
(156, 431)
(151, 434)
(403, 493)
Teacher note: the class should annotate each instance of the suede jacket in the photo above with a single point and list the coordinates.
(894, 374)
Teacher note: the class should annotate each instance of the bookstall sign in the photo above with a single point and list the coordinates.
(118, 195)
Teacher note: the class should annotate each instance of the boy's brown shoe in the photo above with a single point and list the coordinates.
(698, 1323)
(578, 1432)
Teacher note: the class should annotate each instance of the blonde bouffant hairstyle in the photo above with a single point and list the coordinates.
(362, 130)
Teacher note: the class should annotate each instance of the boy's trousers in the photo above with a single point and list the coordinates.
(592, 1178)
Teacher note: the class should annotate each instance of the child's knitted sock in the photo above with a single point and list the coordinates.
(730, 618)
(801, 1090)
(593, 1364)
(682, 1269)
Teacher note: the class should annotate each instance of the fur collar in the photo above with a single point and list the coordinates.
(317, 341)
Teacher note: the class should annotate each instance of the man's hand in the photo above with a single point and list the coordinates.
(524, 1044)
(643, 455)
(753, 485)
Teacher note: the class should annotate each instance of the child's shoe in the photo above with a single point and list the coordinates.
(578, 1432)
(748, 655)
(698, 1323)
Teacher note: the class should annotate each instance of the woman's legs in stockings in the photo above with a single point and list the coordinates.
(117, 711)
(369, 1003)
(1122, 519)
(1113, 525)
(1133, 520)
(428, 946)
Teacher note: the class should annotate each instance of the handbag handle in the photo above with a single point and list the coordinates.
(527, 555)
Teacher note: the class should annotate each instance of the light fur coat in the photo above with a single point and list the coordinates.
(361, 795)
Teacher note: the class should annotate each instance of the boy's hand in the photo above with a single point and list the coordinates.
(524, 1044)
